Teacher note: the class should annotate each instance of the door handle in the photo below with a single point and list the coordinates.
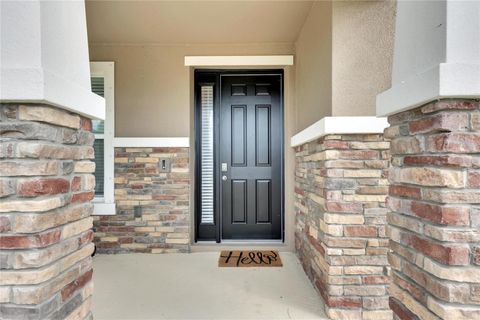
(224, 178)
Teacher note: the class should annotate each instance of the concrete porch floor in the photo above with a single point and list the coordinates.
(191, 286)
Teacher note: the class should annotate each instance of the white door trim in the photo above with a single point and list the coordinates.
(212, 61)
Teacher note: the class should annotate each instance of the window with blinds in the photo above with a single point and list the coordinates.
(98, 87)
(207, 155)
(98, 147)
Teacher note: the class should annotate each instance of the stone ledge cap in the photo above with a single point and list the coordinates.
(339, 125)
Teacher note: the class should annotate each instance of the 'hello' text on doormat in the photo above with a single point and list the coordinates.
(250, 258)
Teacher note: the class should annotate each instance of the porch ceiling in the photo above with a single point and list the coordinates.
(182, 22)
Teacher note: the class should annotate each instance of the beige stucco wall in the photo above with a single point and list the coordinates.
(152, 85)
(154, 97)
(313, 69)
(343, 59)
(154, 90)
(363, 33)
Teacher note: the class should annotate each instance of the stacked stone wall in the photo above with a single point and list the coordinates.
(340, 190)
(434, 223)
(152, 205)
(46, 188)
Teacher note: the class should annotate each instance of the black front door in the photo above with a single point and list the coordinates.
(249, 156)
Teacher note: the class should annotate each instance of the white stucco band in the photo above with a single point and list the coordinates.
(339, 125)
(44, 56)
(437, 54)
(40, 86)
(447, 80)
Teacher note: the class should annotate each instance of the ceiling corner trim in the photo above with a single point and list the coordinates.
(218, 61)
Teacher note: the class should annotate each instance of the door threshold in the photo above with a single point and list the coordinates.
(252, 242)
(202, 246)
(240, 242)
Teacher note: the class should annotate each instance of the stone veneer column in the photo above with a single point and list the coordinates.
(46, 185)
(152, 206)
(434, 225)
(340, 188)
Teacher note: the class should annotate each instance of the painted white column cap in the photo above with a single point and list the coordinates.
(437, 54)
(44, 56)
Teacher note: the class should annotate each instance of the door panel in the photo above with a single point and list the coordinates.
(263, 189)
(251, 141)
(239, 136)
(262, 135)
(239, 201)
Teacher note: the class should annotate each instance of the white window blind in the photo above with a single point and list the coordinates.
(207, 155)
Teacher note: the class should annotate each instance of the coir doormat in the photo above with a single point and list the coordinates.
(250, 258)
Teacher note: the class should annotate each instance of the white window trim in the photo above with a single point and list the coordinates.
(106, 205)
(146, 142)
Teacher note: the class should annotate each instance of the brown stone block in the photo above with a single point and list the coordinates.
(473, 179)
(76, 183)
(462, 161)
(83, 197)
(443, 121)
(360, 231)
(447, 215)
(376, 251)
(456, 142)
(78, 283)
(32, 241)
(375, 279)
(402, 312)
(344, 302)
(85, 124)
(441, 252)
(38, 187)
(335, 144)
(344, 207)
(450, 104)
